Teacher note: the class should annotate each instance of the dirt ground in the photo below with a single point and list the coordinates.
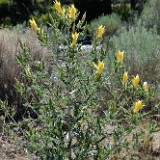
(14, 147)
(13, 150)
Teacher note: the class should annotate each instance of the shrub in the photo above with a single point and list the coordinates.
(111, 22)
(69, 101)
(124, 11)
(142, 51)
(151, 14)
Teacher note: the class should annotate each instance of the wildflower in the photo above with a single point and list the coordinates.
(137, 106)
(125, 77)
(120, 56)
(33, 24)
(74, 38)
(100, 31)
(99, 67)
(72, 12)
(58, 8)
(145, 86)
(135, 81)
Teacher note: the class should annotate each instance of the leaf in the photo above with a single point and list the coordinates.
(59, 69)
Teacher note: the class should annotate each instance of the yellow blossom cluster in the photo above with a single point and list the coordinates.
(57, 6)
(137, 106)
(100, 31)
(74, 39)
(125, 77)
(120, 56)
(135, 81)
(33, 24)
(99, 67)
(35, 27)
(70, 12)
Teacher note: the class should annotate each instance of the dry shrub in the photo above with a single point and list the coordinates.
(9, 48)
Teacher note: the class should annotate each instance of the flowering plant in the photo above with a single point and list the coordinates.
(69, 101)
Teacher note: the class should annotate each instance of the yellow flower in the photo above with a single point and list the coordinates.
(99, 67)
(58, 8)
(145, 86)
(135, 81)
(137, 106)
(74, 38)
(72, 12)
(100, 31)
(33, 24)
(125, 77)
(120, 56)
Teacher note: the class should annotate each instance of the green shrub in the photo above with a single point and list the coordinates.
(151, 14)
(124, 11)
(142, 51)
(111, 22)
(70, 100)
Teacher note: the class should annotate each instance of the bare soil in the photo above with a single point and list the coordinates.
(14, 146)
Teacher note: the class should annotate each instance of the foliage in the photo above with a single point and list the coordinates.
(151, 13)
(124, 11)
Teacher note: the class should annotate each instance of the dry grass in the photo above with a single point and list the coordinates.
(11, 150)
(9, 48)
(8, 67)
